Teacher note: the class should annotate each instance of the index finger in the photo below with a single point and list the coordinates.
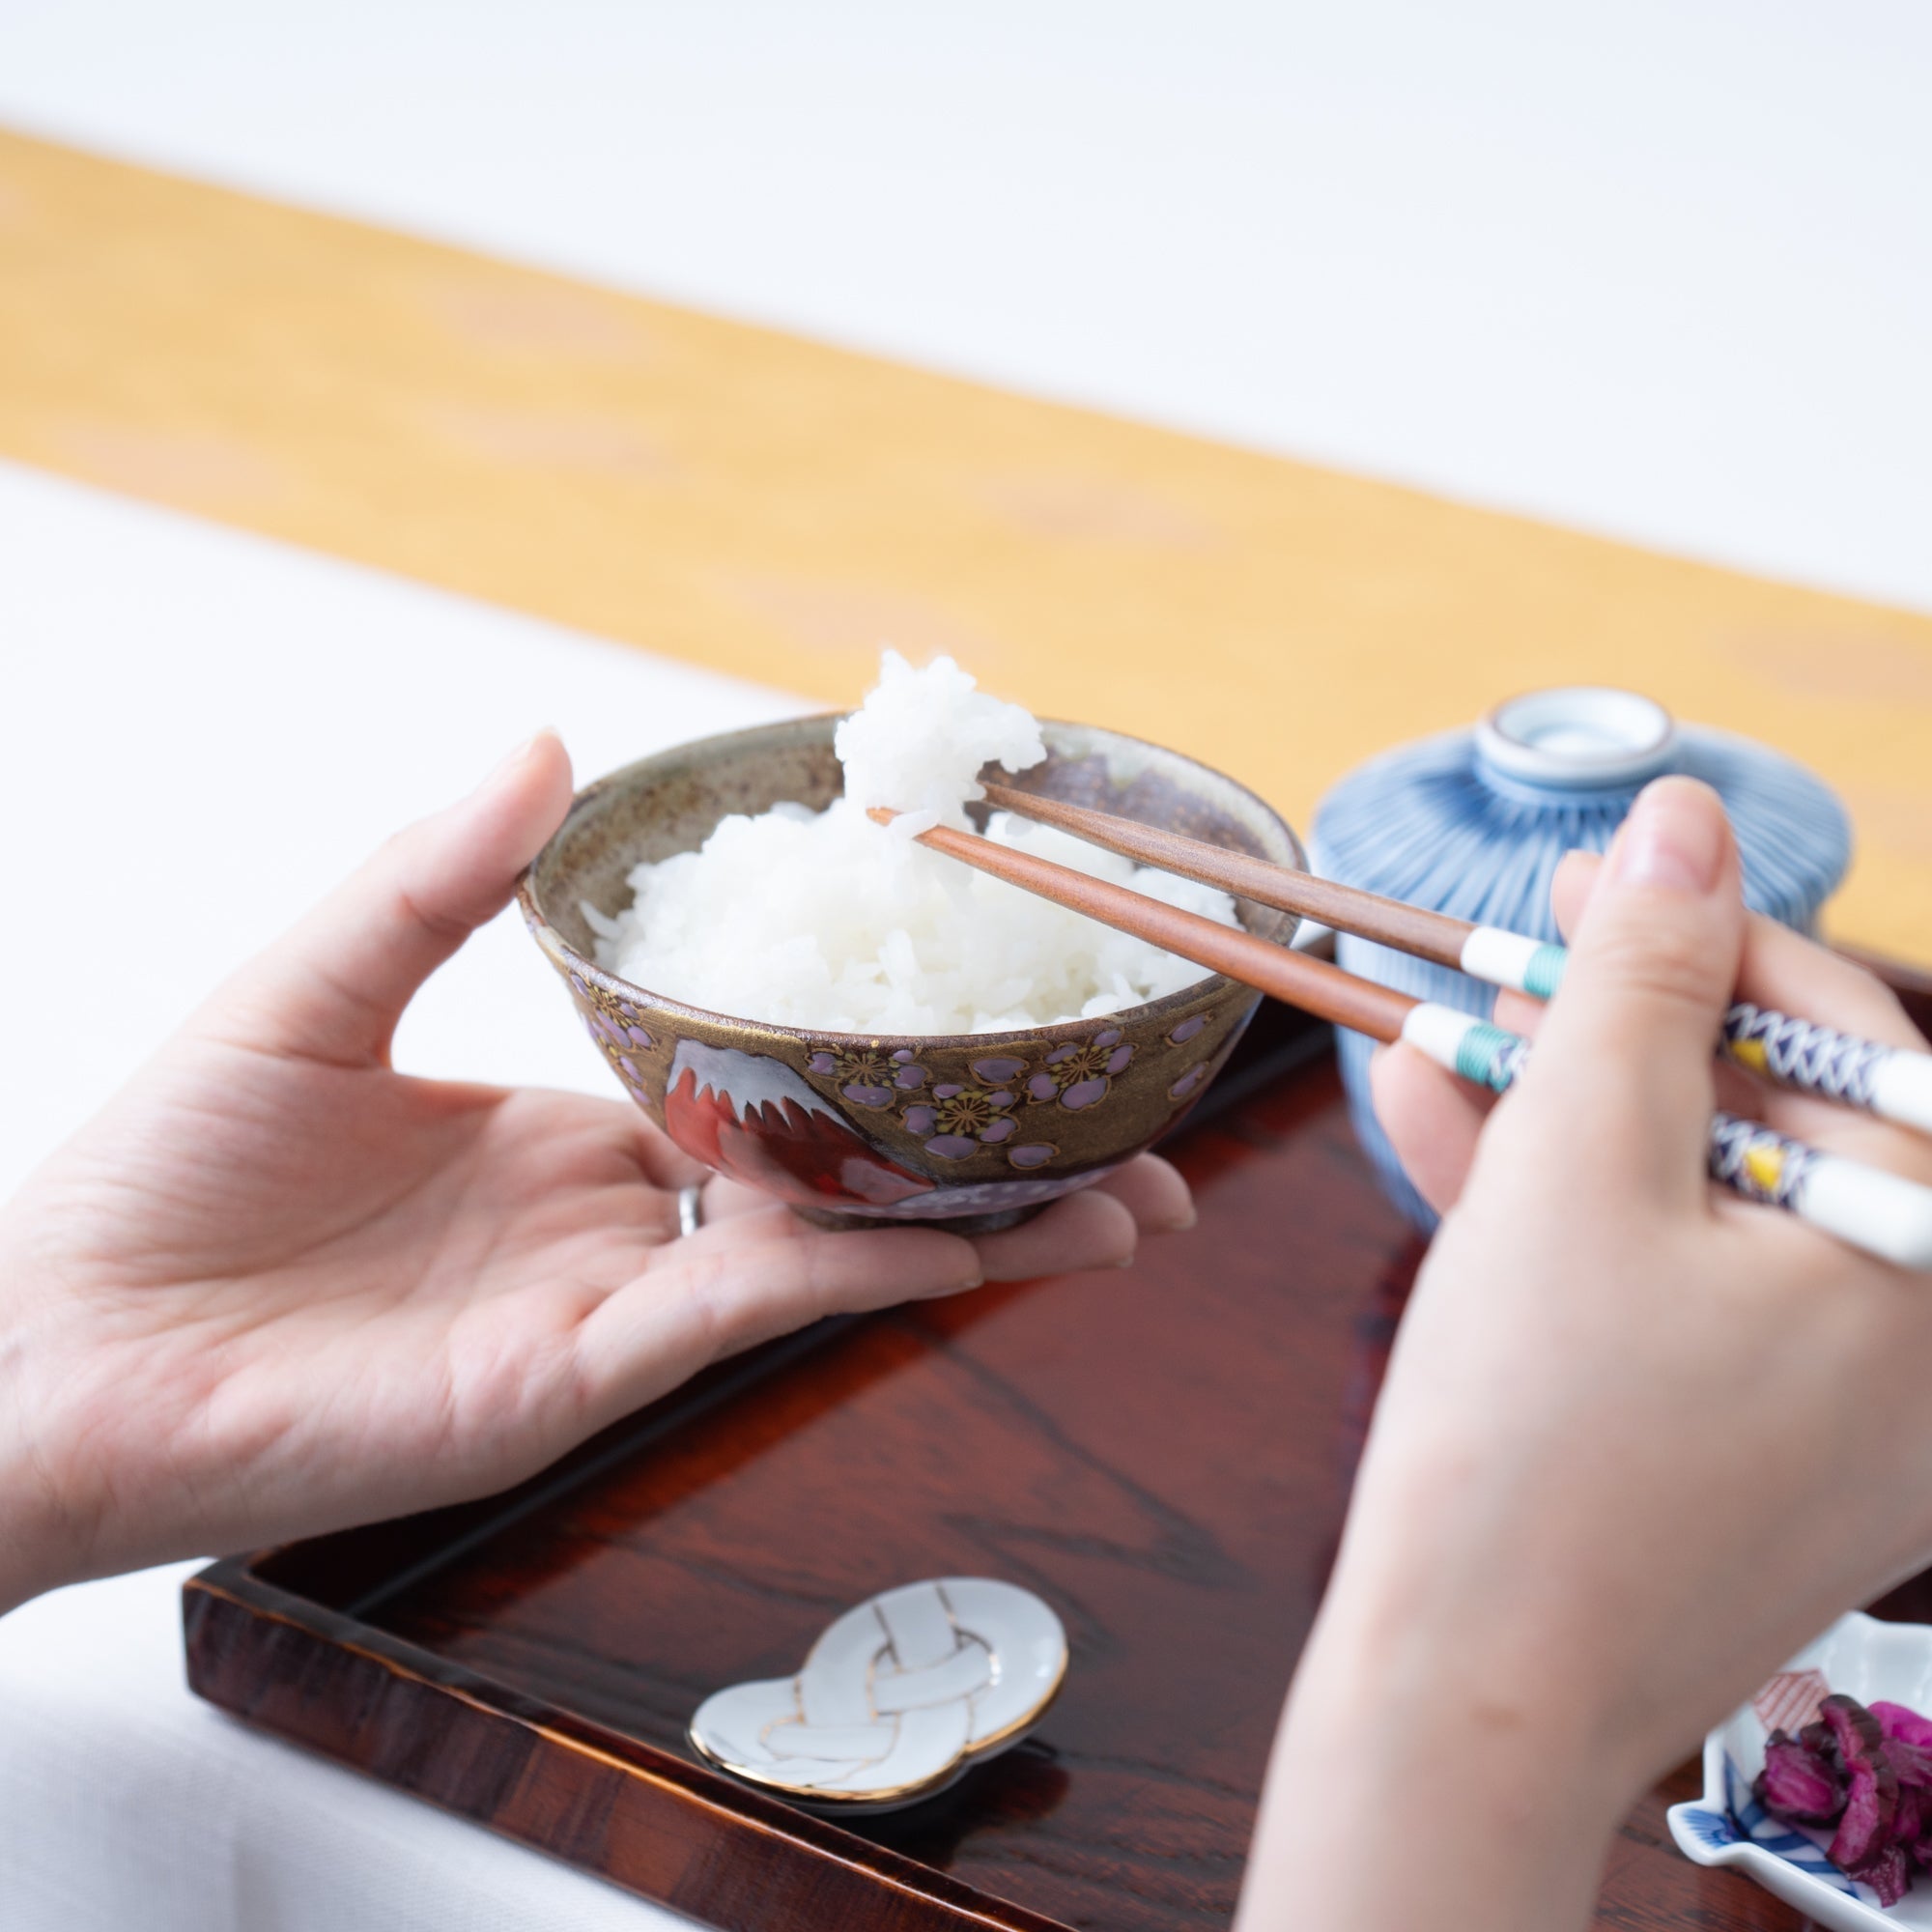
(1779, 969)
(1785, 972)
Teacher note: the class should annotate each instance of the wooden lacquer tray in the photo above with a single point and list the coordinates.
(1164, 1454)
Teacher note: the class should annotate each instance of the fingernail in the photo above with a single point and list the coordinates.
(1126, 1262)
(1674, 839)
(1180, 1223)
(505, 765)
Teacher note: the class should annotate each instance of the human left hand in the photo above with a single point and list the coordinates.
(278, 1287)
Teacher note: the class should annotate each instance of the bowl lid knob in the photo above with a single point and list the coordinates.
(1577, 737)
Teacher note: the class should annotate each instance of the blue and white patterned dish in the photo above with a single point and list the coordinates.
(1867, 1659)
(1475, 822)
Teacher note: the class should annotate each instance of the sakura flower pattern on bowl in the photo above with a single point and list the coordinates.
(1865, 1658)
(974, 1130)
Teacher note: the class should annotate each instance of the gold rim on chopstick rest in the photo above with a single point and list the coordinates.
(1805, 1056)
(1882, 1213)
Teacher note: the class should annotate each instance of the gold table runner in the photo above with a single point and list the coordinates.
(776, 508)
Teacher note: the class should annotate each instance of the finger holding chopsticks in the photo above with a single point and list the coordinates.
(1865, 1206)
(1878, 1077)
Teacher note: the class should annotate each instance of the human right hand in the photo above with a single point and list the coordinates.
(1639, 1442)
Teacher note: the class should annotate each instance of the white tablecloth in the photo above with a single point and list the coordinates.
(129, 1805)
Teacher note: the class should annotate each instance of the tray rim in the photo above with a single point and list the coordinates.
(232, 1587)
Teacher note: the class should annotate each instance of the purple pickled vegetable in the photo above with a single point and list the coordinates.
(1816, 1736)
(1888, 1874)
(1799, 1784)
(1871, 1798)
(1909, 1821)
(1911, 1764)
(1868, 1772)
(1908, 1726)
(1920, 1847)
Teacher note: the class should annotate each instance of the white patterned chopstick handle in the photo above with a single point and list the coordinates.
(1865, 1207)
(1894, 1082)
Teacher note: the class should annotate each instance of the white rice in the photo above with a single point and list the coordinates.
(825, 920)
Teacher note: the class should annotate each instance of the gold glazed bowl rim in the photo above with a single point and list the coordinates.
(1209, 987)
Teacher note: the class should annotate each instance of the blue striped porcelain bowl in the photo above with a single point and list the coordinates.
(1475, 822)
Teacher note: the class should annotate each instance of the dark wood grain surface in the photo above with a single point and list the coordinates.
(1163, 1453)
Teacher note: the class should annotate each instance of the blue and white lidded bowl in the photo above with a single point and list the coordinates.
(1474, 822)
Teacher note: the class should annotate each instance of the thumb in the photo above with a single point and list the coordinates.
(1629, 1039)
(334, 986)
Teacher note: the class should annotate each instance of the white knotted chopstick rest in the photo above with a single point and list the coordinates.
(896, 1699)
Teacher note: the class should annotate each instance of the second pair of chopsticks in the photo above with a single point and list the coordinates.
(1892, 1081)
(1864, 1207)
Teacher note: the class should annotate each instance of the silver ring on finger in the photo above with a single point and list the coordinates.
(690, 1208)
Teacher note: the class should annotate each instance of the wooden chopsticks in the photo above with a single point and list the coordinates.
(1892, 1081)
(1428, 935)
(1864, 1207)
